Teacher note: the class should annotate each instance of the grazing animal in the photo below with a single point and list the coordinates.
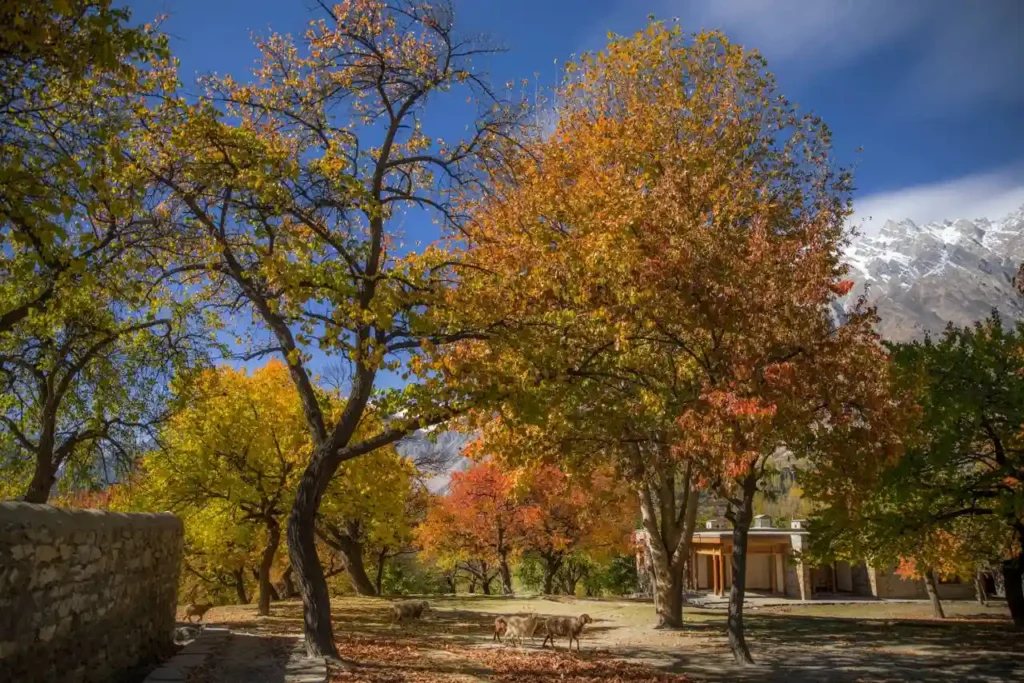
(521, 627)
(412, 609)
(196, 609)
(566, 626)
(500, 626)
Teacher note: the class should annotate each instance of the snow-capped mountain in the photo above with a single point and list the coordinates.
(922, 277)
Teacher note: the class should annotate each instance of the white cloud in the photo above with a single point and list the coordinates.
(831, 31)
(954, 53)
(985, 195)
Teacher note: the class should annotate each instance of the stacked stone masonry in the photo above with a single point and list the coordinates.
(85, 595)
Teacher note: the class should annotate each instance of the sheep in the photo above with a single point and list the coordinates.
(500, 626)
(413, 609)
(520, 627)
(196, 609)
(566, 626)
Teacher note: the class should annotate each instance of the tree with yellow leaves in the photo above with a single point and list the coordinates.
(289, 190)
(234, 452)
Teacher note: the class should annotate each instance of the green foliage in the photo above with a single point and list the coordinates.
(959, 488)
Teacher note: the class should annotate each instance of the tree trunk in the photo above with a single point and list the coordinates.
(316, 603)
(933, 593)
(979, 588)
(668, 594)
(485, 585)
(382, 558)
(288, 583)
(357, 569)
(506, 576)
(239, 576)
(669, 529)
(472, 586)
(552, 563)
(267, 563)
(43, 478)
(741, 520)
(1014, 591)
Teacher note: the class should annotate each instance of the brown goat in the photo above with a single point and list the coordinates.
(412, 609)
(566, 626)
(196, 609)
(500, 626)
(519, 627)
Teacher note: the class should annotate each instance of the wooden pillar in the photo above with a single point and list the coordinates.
(718, 573)
(771, 570)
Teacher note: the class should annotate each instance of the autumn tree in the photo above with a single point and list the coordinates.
(71, 74)
(965, 460)
(480, 522)
(88, 330)
(238, 445)
(291, 189)
(365, 508)
(568, 516)
(672, 251)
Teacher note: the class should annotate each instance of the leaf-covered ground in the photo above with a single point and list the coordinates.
(791, 643)
(376, 659)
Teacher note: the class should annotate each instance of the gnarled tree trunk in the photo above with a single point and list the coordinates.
(347, 541)
(267, 563)
(382, 558)
(741, 518)
(506, 575)
(239, 580)
(552, 563)
(1012, 574)
(288, 584)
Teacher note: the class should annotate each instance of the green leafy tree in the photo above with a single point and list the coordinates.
(72, 76)
(965, 462)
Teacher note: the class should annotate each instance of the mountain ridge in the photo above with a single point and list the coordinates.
(923, 277)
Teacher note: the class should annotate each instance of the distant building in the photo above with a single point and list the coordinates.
(774, 566)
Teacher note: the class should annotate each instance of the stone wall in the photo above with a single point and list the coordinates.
(85, 595)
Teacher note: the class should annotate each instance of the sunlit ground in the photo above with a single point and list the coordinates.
(869, 641)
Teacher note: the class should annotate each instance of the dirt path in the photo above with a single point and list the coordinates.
(250, 658)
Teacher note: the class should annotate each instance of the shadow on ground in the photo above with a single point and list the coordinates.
(454, 643)
(795, 648)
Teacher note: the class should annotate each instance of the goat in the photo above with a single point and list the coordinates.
(521, 627)
(500, 626)
(566, 626)
(412, 609)
(196, 609)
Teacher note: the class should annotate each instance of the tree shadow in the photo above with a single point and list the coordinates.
(795, 648)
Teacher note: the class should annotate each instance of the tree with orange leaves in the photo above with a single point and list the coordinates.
(480, 524)
(663, 265)
(568, 514)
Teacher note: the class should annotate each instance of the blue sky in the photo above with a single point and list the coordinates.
(933, 90)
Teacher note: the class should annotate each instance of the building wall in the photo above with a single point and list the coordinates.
(703, 571)
(888, 584)
(844, 577)
(84, 595)
(861, 580)
(757, 572)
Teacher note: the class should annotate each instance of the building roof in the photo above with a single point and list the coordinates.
(727, 533)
